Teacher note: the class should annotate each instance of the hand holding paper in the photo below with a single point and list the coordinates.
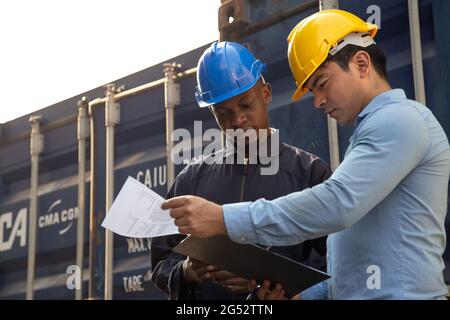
(136, 212)
(196, 216)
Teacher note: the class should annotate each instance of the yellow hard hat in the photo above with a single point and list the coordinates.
(310, 42)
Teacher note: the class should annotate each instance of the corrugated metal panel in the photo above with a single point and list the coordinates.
(140, 150)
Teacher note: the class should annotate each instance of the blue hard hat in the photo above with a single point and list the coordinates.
(225, 70)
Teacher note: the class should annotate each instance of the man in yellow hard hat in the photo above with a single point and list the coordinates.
(384, 207)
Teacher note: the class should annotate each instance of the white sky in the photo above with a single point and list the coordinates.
(51, 50)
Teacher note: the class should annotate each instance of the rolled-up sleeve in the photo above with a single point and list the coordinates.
(386, 147)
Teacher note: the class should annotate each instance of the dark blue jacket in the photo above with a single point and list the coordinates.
(228, 183)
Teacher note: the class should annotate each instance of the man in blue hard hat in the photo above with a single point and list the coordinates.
(231, 84)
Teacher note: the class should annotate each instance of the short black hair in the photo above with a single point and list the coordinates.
(377, 57)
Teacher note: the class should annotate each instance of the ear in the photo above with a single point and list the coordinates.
(266, 91)
(363, 63)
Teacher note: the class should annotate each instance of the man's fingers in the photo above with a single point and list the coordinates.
(174, 202)
(263, 290)
(222, 275)
(236, 282)
(201, 272)
(281, 295)
(197, 264)
(236, 289)
(205, 218)
(178, 212)
(180, 222)
(276, 294)
(252, 284)
(264, 293)
(185, 230)
(212, 268)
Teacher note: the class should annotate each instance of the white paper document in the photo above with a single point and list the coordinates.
(137, 213)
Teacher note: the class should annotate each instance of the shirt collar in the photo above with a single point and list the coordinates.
(230, 151)
(379, 101)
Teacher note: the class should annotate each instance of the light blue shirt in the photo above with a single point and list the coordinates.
(383, 208)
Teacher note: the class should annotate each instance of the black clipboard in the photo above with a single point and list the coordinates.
(251, 262)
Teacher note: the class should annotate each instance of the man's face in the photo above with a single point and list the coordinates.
(245, 111)
(336, 92)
